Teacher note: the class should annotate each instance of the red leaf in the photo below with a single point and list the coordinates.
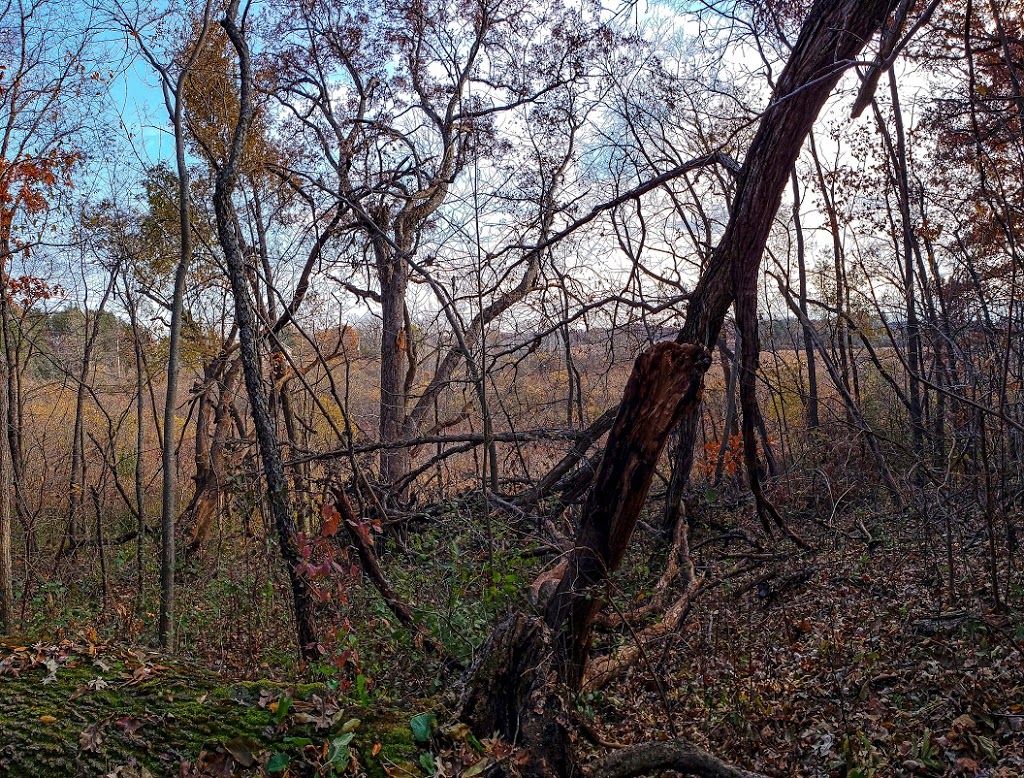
(330, 525)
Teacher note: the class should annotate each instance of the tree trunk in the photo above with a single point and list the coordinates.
(211, 453)
(273, 470)
(833, 34)
(169, 486)
(514, 685)
(393, 276)
(76, 492)
(140, 437)
(666, 382)
(168, 496)
(14, 418)
(6, 560)
(805, 326)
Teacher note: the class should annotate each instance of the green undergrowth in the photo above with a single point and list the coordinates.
(66, 712)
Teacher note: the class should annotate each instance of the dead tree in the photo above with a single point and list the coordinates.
(833, 34)
(515, 687)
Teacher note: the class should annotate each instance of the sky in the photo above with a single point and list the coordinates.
(135, 96)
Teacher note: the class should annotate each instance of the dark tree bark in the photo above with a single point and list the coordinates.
(833, 34)
(273, 470)
(666, 382)
(805, 326)
(513, 688)
(515, 685)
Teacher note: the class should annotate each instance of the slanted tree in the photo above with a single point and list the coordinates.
(528, 663)
(832, 36)
(249, 342)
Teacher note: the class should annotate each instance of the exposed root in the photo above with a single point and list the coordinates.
(603, 670)
(678, 755)
(679, 565)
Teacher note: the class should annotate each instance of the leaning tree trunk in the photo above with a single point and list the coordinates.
(515, 686)
(834, 33)
(666, 382)
(273, 470)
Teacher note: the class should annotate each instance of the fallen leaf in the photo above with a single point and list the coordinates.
(350, 726)
(242, 748)
(91, 738)
(129, 725)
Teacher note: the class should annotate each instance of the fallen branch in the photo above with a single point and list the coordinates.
(679, 564)
(575, 455)
(602, 670)
(360, 537)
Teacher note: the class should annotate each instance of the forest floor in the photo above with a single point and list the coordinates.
(87, 709)
(849, 661)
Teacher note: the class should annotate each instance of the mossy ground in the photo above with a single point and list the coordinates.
(93, 715)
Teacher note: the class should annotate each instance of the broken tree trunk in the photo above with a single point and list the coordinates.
(514, 686)
(666, 381)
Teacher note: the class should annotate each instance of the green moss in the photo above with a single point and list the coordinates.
(176, 715)
(306, 690)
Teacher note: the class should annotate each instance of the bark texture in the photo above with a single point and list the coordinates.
(833, 34)
(270, 452)
(516, 685)
(665, 383)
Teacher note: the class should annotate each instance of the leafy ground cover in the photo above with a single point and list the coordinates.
(849, 661)
(846, 661)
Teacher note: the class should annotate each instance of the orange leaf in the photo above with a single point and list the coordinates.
(330, 525)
